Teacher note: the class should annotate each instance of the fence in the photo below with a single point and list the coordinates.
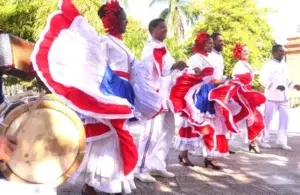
(294, 102)
(15, 89)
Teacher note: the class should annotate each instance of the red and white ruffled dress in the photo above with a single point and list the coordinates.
(199, 129)
(92, 74)
(245, 104)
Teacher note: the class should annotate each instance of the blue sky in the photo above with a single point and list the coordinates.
(284, 21)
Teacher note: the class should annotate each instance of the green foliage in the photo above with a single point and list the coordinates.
(238, 21)
(27, 18)
(17, 17)
(88, 9)
(135, 37)
(178, 15)
(177, 50)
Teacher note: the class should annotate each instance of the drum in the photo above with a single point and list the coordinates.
(51, 139)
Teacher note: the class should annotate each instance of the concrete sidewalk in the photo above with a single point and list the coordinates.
(274, 172)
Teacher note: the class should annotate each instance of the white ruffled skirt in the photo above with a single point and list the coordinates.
(101, 167)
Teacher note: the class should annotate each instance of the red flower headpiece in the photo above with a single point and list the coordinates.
(110, 20)
(200, 42)
(237, 51)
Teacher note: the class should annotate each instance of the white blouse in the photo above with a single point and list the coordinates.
(120, 58)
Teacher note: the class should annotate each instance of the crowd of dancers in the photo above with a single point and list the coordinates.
(112, 91)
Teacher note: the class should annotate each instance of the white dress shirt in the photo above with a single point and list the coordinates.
(217, 62)
(273, 74)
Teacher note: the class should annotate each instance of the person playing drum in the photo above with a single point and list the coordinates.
(7, 146)
(15, 61)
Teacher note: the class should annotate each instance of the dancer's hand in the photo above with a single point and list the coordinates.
(197, 71)
(8, 145)
(218, 82)
(180, 65)
(281, 88)
(297, 87)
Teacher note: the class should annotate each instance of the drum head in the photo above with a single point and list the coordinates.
(51, 143)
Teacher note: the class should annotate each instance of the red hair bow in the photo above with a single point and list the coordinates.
(110, 20)
(237, 51)
(200, 41)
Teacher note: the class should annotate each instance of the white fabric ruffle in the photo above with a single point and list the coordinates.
(183, 144)
(102, 168)
(148, 99)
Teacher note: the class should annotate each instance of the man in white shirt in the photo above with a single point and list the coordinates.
(216, 57)
(274, 77)
(152, 79)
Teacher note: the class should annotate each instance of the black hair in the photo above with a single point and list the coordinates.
(154, 23)
(275, 48)
(215, 35)
(101, 11)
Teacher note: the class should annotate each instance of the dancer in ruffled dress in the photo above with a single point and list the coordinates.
(92, 74)
(201, 108)
(251, 124)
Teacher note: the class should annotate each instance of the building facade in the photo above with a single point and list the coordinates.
(293, 59)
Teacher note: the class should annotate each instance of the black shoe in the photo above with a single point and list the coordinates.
(83, 192)
(90, 190)
(185, 160)
(254, 148)
(231, 152)
(210, 163)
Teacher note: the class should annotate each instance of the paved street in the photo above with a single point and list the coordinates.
(273, 172)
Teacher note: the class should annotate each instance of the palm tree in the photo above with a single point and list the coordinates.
(179, 14)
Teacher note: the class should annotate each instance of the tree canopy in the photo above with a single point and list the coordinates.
(238, 21)
(178, 14)
(27, 18)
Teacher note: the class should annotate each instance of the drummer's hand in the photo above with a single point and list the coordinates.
(8, 145)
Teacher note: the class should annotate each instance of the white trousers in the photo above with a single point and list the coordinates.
(156, 142)
(270, 108)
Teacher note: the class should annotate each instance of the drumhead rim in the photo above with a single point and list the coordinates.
(57, 105)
